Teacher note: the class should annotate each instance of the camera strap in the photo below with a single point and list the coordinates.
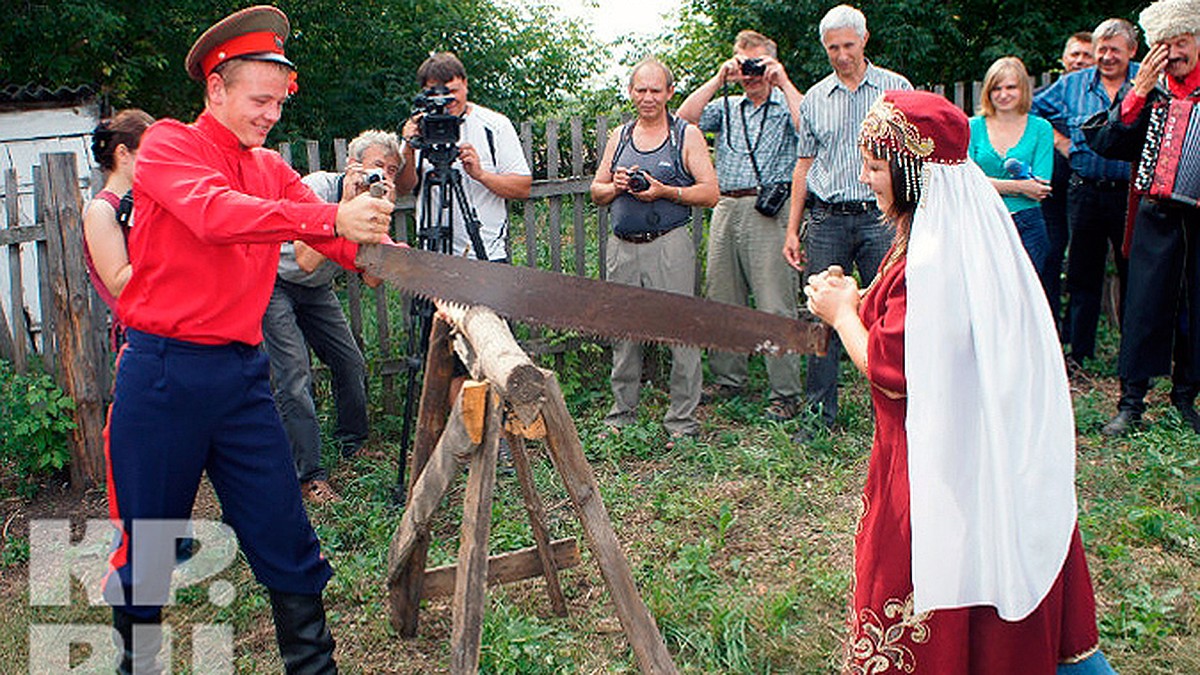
(491, 140)
(675, 130)
(125, 209)
(753, 149)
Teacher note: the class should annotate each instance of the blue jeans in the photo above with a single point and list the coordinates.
(1031, 225)
(861, 239)
(299, 317)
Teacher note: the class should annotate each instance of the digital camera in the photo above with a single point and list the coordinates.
(753, 68)
(638, 182)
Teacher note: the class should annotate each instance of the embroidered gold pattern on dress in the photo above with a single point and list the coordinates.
(878, 648)
(1081, 656)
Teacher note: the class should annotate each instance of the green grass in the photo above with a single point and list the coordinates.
(740, 543)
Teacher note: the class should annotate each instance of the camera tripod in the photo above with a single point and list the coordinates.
(435, 232)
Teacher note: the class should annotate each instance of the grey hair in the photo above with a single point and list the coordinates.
(653, 61)
(1111, 28)
(843, 16)
(372, 137)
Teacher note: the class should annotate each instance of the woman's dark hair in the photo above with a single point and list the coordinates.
(906, 191)
(124, 128)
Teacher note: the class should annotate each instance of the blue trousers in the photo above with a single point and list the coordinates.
(299, 317)
(1031, 225)
(180, 409)
(860, 240)
(1097, 220)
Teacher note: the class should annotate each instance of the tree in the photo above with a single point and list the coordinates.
(357, 60)
(929, 42)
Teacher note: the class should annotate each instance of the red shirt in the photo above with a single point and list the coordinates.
(210, 217)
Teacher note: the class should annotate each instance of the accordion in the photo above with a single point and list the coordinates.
(1169, 168)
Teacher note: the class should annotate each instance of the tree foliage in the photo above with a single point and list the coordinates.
(929, 42)
(356, 59)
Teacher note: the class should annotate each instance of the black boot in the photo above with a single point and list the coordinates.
(304, 640)
(140, 658)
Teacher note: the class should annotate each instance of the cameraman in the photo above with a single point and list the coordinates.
(756, 152)
(654, 170)
(489, 154)
(305, 312)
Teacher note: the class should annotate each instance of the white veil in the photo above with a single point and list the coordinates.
(991, 437)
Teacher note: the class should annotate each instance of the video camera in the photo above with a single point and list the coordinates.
(436, 126)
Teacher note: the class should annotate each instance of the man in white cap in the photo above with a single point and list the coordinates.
(192, 392)
(1162, 305)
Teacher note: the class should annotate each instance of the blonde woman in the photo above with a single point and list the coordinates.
(1016, 152)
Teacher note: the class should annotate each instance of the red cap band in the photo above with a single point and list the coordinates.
(249, 43)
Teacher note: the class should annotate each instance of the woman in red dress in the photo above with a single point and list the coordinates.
(967, 556)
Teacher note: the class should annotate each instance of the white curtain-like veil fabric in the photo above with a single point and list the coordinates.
(991, 432)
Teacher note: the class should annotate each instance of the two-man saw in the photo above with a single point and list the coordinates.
(591, 306)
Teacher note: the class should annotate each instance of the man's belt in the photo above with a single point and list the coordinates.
(1105, 184)
(746, 192)
(640, 237)
(844, 208)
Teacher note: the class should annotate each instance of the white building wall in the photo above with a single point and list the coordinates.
(24, 136)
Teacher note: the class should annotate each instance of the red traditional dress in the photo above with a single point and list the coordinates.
(885, 635)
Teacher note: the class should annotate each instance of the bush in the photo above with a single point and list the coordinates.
(35, 416)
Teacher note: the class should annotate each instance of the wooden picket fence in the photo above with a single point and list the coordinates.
(557, 225)
(556, 229)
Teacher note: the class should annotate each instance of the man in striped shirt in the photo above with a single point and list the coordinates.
(843, 226)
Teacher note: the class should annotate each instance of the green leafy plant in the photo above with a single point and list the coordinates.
(35, 416)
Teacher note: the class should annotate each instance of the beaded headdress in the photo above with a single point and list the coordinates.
(914, 127)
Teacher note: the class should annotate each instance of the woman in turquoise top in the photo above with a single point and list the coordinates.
(1016, 151)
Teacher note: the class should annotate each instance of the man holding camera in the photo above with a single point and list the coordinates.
(843, 226)
(489, 154)
(654, 170)
(305, 312)
(756, 151)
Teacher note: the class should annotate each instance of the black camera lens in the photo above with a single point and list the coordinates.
(638, 181)
(753, 68)
(372, 176)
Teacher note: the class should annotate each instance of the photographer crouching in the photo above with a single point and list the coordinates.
(489, 154)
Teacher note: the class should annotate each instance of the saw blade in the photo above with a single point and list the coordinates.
(591, 306)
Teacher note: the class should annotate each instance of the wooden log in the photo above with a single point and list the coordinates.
(533, 431)
(494, 355)
(580, 482)
(470, 587)
(537, 523)
(405, 580)
(79, 364)
(505, 568)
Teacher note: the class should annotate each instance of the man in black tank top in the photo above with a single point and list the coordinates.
(654, 170)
